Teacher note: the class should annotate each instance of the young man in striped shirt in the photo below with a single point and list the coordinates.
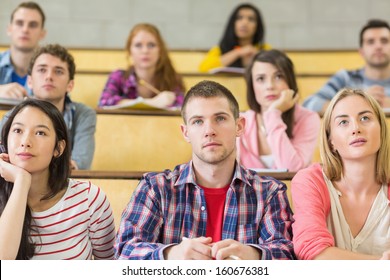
(211, 207)
(373, 77)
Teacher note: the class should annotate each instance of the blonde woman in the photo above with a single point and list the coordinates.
(342, 206)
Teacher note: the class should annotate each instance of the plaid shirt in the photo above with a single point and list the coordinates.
(169, 205)
(118, 88)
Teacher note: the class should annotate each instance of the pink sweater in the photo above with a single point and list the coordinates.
(293, 154)
(311, 202)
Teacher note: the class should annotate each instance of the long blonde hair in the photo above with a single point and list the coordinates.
(165, 77)
(332, 163)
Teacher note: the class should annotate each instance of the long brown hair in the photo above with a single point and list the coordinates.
(59, 168)
(165, 77)
(286, 67)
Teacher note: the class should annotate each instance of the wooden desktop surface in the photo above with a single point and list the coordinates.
(137, 112)
(100, 174)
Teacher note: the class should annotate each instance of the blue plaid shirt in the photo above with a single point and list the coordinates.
(168, 206)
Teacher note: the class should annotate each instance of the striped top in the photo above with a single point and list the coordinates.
(343, 78)
(79, 226)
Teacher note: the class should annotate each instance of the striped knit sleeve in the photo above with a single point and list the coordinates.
(101, 227)
(338, 81)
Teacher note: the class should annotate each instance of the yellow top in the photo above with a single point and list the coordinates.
(213, 58)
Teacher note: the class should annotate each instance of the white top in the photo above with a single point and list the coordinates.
(79, 226)
(374, 237)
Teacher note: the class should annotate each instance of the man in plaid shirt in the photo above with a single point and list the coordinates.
(211, 207)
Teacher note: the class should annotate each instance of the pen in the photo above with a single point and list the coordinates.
(148, 86)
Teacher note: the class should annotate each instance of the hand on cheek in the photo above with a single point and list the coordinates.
(286, 101)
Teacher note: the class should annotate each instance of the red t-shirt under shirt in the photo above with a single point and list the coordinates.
(215, 204)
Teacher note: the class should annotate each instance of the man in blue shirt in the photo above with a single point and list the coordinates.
(50, 77)
(26, 29)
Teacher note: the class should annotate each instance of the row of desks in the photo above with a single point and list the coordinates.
(137, 175)
(306, 62)
(141, 140)
(119, 185)
(89, 86)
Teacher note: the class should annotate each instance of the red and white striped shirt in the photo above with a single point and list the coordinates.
(79, 226)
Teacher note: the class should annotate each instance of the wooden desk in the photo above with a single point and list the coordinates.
(88, 86)
(188, 60)
(139, 141)
(137, 175)
(137, 112)
(109, 175)
(119, 186)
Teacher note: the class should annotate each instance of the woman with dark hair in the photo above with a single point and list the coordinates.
(43, 214)
(342, 206)
(243, 38)
(279, 133)
(151, 74)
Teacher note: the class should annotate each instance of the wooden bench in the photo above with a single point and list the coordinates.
(88, 86)
(127, 150)
(119, 186)
(322, 62)
(307, 62)
(326, 62)
(138, 142)
(108, 60)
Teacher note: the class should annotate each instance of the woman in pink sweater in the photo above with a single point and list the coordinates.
(279, 133)
(342, 208)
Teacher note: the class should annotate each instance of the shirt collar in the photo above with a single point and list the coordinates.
(187, 175)
(69, 111)
(241, 173)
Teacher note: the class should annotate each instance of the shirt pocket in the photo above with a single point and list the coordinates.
(247, 234)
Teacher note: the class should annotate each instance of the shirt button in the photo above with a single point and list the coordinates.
(202, 208)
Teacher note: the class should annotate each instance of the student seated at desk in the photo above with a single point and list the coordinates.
(242, 39)
(43, 213)
(342, 208)
(25, 30)
(373, 77)
(151, 75)
(51, 77)
(279, 132)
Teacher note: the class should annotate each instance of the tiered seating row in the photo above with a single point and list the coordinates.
(139, 143)
(119, 189)
(321, 62)
(313, 68)
(88, 87)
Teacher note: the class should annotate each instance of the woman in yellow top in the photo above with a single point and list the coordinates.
(243, 38)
